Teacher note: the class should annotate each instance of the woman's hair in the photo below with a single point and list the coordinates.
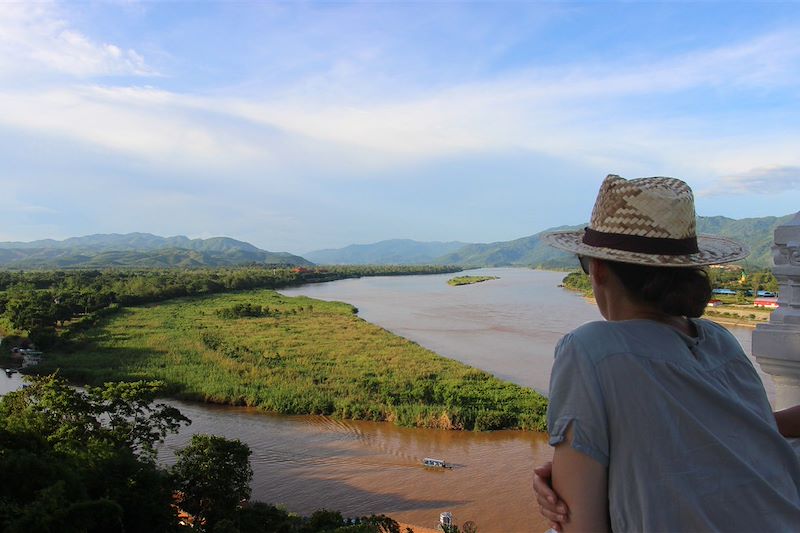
(676, 291)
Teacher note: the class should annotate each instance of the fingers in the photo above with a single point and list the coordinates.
(550, 506)
(545, 470)
(541, 486)
(555, 522)
(554, 511)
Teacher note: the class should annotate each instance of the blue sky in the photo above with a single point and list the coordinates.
(306, 125)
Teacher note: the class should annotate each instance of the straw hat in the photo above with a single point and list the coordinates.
(647, 221)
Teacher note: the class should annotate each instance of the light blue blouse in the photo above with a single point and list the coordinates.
(683, 425)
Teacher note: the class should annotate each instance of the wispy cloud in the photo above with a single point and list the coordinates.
(341, 96)
(36, 39)
(764, 180)
(148, 123)
(577, 112)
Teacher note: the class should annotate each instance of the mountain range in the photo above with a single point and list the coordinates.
(391, 252)
(757, 233)
(142, 250)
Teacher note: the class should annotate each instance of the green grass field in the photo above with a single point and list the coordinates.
(298, 356)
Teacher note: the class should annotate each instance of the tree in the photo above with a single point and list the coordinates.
(213, 476)
(770, 282)
(755, 282)
(83, 461)
(31, 310)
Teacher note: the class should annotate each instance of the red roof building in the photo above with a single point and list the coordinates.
(766, 301)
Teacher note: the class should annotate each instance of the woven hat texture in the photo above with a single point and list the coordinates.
(648, 221)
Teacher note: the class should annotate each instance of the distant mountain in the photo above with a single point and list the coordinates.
(391, 252)
(757, 233)
(525, 251)
(137, 250)
(134, 241)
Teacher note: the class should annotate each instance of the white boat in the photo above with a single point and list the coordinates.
(435, 463)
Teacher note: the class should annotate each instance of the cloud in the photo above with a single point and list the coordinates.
(143, 122)
(36, 39)
(762, 180)
(317, 126)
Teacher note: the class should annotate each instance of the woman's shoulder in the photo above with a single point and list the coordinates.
(615, 331)
(639, 337)
(595, 339)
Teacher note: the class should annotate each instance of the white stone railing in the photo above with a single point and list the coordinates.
(776, 345)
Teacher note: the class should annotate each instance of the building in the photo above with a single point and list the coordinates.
(769, 302)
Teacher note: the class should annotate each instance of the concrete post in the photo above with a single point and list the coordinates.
(776, 345)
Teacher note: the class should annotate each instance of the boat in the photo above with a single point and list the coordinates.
(435, 463)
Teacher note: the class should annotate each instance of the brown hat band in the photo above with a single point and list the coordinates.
(638, 243)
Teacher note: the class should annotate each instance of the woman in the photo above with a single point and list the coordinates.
(555, 510)
(658, 419)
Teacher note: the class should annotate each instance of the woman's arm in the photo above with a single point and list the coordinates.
(789, 421)
(582, 483)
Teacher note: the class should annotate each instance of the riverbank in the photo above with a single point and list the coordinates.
(294, 355)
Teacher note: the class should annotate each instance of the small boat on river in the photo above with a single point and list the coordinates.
(435, 463)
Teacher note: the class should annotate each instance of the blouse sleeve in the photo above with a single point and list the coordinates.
(577, 399)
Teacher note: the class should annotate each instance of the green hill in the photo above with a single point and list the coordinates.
(140, 250)
(757, 233)
(526, 251)
(390, 252)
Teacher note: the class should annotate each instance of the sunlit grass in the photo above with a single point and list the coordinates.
(303, 356)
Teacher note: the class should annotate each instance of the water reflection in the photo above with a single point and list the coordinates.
(10, 383)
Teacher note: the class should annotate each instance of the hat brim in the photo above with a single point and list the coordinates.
(714, 250)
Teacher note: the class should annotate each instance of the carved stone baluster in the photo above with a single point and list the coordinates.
(776, 345)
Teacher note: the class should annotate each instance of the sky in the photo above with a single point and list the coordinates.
(304, 125)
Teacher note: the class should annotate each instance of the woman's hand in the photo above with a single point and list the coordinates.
(788, 421)
(550, 506)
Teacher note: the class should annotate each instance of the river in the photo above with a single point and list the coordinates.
(506, 326)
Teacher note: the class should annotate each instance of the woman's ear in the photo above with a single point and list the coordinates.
(599, 271)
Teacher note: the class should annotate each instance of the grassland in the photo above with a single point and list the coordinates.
(469, 280)
(297, 356)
